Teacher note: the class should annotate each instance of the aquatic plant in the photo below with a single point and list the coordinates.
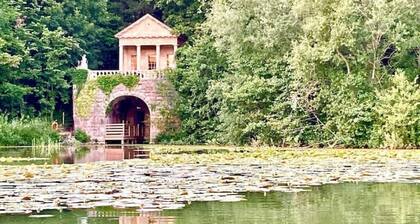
(41, 148)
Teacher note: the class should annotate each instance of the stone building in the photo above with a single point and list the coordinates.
(128, 113)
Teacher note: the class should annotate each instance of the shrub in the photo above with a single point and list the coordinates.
(81, 136)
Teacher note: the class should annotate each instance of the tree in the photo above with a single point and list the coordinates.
(11, 53)
(38, 81)
(197, 67)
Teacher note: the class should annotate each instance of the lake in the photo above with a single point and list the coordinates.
(381, 187)
(328, 204)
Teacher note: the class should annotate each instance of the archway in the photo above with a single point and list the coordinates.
(134, 114)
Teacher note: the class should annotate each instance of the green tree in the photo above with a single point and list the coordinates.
(255, 96)
(197, 67)
(11, 54)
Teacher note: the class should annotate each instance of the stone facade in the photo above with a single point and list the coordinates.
(95, 124)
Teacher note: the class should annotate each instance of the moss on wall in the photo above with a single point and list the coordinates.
(87, 92)
(108, 83)
(85, 99)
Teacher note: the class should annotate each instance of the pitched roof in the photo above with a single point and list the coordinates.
(137, 30)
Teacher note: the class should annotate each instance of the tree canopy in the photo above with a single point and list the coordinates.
(275, 72)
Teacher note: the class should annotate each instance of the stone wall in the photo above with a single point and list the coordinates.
(94, 124)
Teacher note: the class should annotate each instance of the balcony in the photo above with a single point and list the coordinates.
(143, 75)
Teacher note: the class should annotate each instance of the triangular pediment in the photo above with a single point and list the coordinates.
(146, 27)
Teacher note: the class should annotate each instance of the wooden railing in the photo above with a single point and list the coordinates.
(122, 132)
(134, 131)
(147, 74)
(115, 132)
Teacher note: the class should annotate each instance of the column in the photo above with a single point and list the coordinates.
(157, 57)
(121, 58)
(138, 57)
(175, 49)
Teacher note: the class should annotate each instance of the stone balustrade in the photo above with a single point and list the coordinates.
(143, 75)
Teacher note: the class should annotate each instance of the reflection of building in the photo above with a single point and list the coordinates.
(146, 220)
(146, 49)
(124, 217)
(102, 153)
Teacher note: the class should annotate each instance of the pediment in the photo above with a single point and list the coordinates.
(146, 27)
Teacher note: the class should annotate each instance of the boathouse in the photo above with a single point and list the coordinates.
(128, 113)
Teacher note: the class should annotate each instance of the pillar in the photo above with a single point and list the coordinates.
(138, 57)
(157, 57)
(121, 58)
(175, 49)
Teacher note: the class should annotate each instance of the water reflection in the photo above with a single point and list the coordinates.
(71, 155)
(126, 217)
(329, 204)
(101, 153)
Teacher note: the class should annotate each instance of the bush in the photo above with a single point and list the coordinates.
(81, 136)
(25, 130)
(398, 112)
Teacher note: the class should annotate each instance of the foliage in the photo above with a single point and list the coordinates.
(255, 110)
(108, 82)
(197, 67)
(81, 136)
(255, 107)
(275, 72)
(347, 117)
(184, 16)
(25, 131)
(342, 57)
(303, 73)
(398, 111)
(79, 77)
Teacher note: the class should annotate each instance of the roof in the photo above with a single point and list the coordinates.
(146, 27)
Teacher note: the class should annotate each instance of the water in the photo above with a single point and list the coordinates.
(71, 155)
(329, 204)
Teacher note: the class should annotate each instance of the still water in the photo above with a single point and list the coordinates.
(329, 204)
(71, 155)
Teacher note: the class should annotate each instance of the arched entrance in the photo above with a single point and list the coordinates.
(134, 114)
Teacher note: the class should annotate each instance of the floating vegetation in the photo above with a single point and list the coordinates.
(19, 159)
(209, 155)
(152, 185)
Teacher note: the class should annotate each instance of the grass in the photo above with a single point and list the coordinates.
(25, 131)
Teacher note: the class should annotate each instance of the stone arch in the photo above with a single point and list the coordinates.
(95, 123)
(145, 91)
(134, 113)
(121, 91)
